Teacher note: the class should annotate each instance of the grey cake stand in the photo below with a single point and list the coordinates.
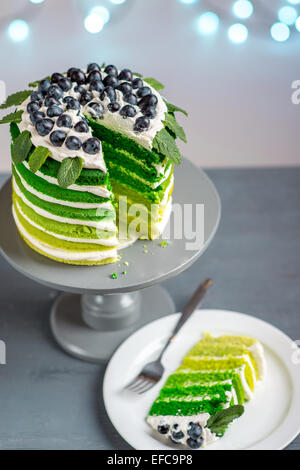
(95, 313)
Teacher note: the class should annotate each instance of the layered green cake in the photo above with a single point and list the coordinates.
(201, 398)
(93, 153)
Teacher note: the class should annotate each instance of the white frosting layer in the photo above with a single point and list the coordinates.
(259, 356)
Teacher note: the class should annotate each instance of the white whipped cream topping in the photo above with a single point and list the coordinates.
(257, 351)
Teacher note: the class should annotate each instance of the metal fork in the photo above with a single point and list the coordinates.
(153, 371)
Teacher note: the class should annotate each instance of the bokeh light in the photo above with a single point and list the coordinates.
(18, 30)
(238, 33)
(294, 2)
(287, 15)
(36, 1)
(93, 23)
(118, 2)
(208, 23)
(242, 9)
(297, 24)
(188, 1)
(280, 32)
(101, 11)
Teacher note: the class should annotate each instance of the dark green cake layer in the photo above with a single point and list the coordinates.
(185, 408)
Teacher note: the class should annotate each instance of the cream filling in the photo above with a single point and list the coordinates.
(79, 205)
(102, 225)
(64, 254)
(98, 190)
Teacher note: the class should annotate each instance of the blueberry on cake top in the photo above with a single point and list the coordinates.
(83, 142)
(201, 398)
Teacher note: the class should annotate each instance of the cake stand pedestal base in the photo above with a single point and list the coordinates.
(91, 327)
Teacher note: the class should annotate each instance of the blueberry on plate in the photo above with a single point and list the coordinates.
(194, 443)
(141, 124)
(85, 97)
(143, 91)
(36, 96)
(78, 76)
(50, 101)
(108, 91)
(125, 74)
(92, 66)
(111, 70)
(94, 75)
(43, 86)
(57, 138)
(81, 126)
(148, 100)
(97, 108)
(64, 120)
(54, 111)
(96, 85)
(65, 84)
(130, 98)
(55, 91)
(73, 143)
(113, 107)
(137, 83)
(91, 146)
(128, 111)
(73, 103)
(163, 428)
(149, 112)
(125, 87)
(194, 430)
(44, 126)
(79, 89)
(111, 80)
(55, 77)
(173, 440)
(33, 106)
(71, 70)
(177, 435)
(36, 116)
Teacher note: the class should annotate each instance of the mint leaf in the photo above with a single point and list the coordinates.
(218, 422)
(102, 66)
(138, 74)
(165, 144)
(38, 158)
(174, 127)
(15, 99)
(14, 131)
(154, 83)
(12, 117)
(35, 84)
(69, 170)
(21, 147)
(172, 108)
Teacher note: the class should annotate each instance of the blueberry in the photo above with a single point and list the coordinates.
(130, 98)
(71, 70)
(148, 100)
(57, 138)
(81, 126)
(54, 110)
(110, 80)
(43, 86)
(65, 84)
(50, 101)
(55, 77)
(137, 83)
(73, 143)
(163, 428)
(113, 107)
(97, 108)
(79, 89)
(125, 87)
(177, 435)
(149, 112)
(141, 124)
(36, 116)
(143, 91)
(92, 66)
(110, 93)
(85, 97)
(44, 126)
(78, 76)
(35, 96)
(54, 91)
(68, 98)
(194, 443)
(91, 146)
(72, 103)
(33, 106)
(96, 85)
(111, 70)
(94, 75)
(128, 111)
(64, 120)
(125, 74)
(195, 430)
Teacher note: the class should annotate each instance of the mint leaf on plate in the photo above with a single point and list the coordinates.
(172, 108)
(12, 117)
(165, 144)
(15, 99)
(35, 84)
(38, 158)
(69, 170)
(21, 147)
(217, 423)
(14, 131)
(174, 127)
(154, 83)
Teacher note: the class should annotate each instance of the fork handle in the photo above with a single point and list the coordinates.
(190, 307)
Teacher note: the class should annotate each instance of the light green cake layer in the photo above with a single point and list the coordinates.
(185, 408)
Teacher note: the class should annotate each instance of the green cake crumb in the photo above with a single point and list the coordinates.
(114, 276)
(164, 244)
(124, 272)
(126, 263)
(145, 251)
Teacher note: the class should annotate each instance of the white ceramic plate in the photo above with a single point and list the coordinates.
(271, 419)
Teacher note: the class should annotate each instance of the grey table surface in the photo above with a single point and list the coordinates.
(49, 400)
